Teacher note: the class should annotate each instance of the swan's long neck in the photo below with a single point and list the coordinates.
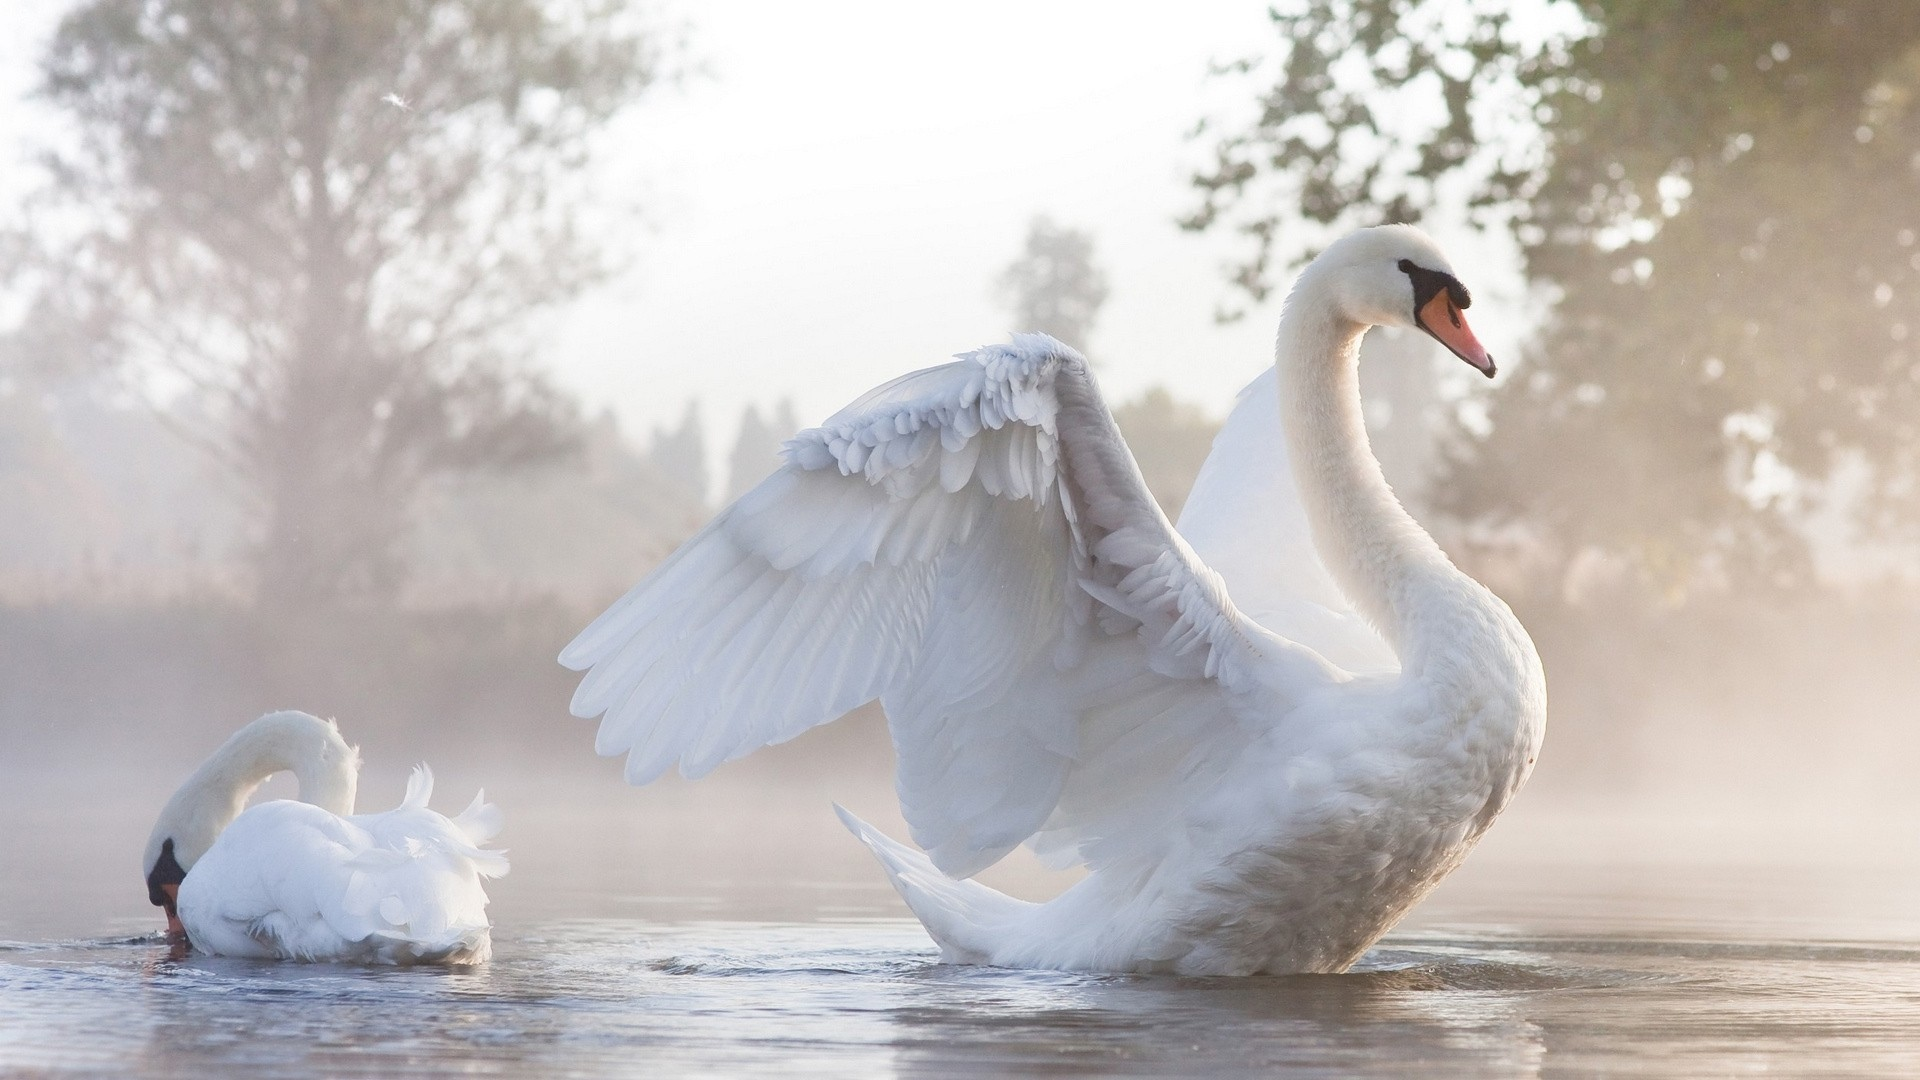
(1382, 559)
(326, 767)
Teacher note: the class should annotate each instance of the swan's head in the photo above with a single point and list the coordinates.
(1395, 275)
(328, 770)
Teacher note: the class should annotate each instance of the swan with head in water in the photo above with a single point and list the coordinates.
(1266, 733)
(312, 880)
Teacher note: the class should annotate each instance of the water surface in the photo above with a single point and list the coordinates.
(613, 996)
(645, 935)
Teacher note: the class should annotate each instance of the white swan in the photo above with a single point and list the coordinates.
(1256, 787)
(304, 880)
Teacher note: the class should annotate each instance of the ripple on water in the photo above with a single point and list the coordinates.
(598, 997)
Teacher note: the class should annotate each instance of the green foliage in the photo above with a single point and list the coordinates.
(328, 220)
(1372, 104)
(1722, 199)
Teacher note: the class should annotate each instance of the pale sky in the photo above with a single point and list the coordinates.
(829, 200)
(831, 205)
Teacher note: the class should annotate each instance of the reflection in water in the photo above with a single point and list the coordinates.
(602, 997)
(1405, 1006)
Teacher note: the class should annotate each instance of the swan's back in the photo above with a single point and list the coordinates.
(288, 880)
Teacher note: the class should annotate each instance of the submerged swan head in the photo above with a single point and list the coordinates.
(309, 747)
(1395, 275)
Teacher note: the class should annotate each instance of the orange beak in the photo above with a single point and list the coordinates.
(1441, 317)
(174, 927)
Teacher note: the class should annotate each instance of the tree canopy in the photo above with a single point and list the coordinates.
(327, 221)
(1054, 286)
(1719, 199)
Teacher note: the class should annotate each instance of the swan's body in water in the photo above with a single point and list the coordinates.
(312, 880)
(1266, 734)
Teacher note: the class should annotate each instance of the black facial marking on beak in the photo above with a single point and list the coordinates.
(1438, 299)
(1430, 283)
(166, 871)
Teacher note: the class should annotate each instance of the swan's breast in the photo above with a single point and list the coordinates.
(1340, 821)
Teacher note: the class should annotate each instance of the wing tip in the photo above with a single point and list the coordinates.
(580, 653)
(640, 772)
(854, 824)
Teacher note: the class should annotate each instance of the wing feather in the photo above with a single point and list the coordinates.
(972, 545)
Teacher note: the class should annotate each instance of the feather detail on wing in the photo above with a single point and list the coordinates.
(973, 545)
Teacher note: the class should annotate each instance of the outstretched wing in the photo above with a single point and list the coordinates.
(973, 545)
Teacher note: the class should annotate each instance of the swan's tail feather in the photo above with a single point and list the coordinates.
(478, 823)
(481, 821)
(965, 918)
(419, 788)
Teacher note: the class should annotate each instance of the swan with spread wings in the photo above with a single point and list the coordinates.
(1265, 733)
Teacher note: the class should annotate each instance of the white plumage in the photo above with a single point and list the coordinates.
(297, 881)
(1262, 786)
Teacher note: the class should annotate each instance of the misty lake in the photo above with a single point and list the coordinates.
(642, 934)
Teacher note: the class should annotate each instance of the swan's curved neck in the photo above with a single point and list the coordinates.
(1380, 556)
(326, 767)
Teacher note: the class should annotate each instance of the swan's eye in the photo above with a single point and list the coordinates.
(1428, 284)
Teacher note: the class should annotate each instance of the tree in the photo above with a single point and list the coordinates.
(1054, 287)
(1722, 199)
(680, 454)
(756, 450)
(578, 530)
(328, 222)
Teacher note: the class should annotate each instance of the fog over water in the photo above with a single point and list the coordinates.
(1677, 919)
(731, 925)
